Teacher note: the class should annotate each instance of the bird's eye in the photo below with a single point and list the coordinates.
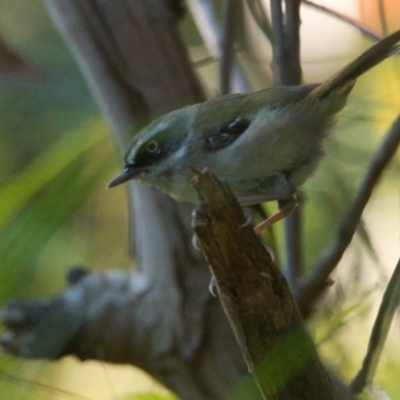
(152, 146)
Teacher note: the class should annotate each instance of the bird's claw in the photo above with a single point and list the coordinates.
(212, 286)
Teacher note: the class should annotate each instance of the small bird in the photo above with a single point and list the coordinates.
(264, 144)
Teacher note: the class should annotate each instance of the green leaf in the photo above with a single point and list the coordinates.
(17, 193)
(43, 196)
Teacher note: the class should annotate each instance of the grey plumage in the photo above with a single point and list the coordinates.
(265, 144)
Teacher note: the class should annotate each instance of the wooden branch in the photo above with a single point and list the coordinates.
(278, 43)
(286, 44)
(227, 42)
(292, 74)
(256, 298)
(287, 71)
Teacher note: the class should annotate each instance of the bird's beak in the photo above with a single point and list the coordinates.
(126, 175)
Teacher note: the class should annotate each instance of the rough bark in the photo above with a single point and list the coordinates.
(278, 350)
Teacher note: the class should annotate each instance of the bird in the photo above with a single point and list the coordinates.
(264, 144)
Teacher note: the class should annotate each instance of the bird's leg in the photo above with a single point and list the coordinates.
(286, 206)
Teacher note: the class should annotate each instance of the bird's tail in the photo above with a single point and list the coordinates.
(345, 78)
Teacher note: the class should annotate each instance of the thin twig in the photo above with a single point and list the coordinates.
(382, 17)
(259, 15)
(286, 44)
(287, 71)
(294, 247)
(204, 17)
(291, 75)
(367, 31)
(380, 330)
(227, 40)
(292, 42)
(278, 45)
(315, 283)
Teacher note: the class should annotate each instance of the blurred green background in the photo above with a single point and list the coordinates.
(57, 156)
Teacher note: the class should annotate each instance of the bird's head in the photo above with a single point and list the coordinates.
(157, 149)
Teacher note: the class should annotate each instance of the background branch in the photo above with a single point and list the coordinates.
(230, 15)
(203, 14)
(287, 71)
(366, 30)
(380, 330)
(316, 281)
(382, 17)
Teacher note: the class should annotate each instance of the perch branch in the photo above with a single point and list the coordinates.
(256, 298)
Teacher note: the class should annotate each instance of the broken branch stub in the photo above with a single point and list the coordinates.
(256, 298)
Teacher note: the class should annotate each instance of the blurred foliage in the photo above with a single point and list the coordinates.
(149, 396)
(56, 158)
(42, 196)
